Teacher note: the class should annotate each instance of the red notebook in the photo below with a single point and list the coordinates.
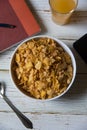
(16, 23)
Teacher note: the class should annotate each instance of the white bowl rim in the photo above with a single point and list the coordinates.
(65, 47)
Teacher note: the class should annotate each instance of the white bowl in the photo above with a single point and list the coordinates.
(64, 46)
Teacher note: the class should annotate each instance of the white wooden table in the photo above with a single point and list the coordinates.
(66, 113)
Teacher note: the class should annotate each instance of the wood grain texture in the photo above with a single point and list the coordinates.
(66, 113)
(45, 121)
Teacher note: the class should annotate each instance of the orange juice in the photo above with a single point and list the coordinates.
(62, 10)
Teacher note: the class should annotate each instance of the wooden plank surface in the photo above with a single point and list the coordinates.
(45, 122)
(66, 113)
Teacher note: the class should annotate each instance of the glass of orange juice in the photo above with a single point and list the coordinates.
(62, 10)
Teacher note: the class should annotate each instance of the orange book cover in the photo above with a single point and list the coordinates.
(16, 23)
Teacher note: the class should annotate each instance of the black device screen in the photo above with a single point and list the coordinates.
(81, 47)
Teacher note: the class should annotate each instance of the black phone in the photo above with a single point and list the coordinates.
(81, 47)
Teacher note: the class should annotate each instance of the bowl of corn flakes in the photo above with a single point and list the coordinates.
(43, 67)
